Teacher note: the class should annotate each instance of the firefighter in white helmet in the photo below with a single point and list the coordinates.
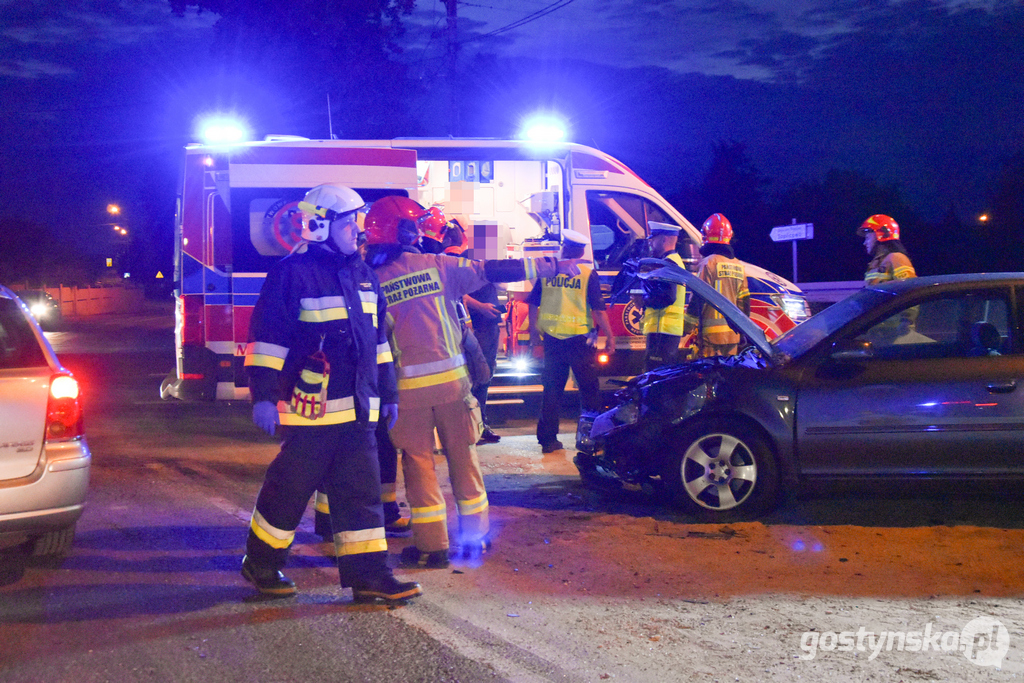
(433, 379)
(320, 370)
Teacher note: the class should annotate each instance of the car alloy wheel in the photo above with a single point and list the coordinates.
(722, 469)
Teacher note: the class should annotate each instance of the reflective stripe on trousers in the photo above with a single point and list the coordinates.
(458, 426)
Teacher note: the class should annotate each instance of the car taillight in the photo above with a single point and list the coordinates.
(63, 409)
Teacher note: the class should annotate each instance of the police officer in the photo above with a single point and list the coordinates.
(722, 270)
(320, 367)
(889, 260)
(664, 302)
(433, 379)
(565, 309)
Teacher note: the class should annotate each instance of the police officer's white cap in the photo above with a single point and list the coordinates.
(575, 237)
(663, 229)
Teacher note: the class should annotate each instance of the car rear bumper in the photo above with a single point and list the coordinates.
(53, 496)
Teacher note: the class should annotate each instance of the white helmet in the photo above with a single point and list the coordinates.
(323, 204)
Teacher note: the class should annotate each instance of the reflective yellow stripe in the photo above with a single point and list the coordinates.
(447, 328)
(262, 361)
(473, 506)
(434, 513)
(326, 315)
(384, 353)
(530, 265)
(431, 380)
(265, 354)
(270, 534)
(320, 503)
(360, 541)
(339, 417)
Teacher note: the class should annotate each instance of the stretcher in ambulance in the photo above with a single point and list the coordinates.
(237, 214)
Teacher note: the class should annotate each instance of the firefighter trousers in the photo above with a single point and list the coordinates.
(458, 427)
(387, 459)
(342, 459)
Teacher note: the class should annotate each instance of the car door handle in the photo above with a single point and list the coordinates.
(1002, 387)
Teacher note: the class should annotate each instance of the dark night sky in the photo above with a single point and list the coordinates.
(99, 96)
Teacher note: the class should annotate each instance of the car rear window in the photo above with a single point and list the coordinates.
(19, 347)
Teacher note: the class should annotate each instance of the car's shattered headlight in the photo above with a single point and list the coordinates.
(621, 415)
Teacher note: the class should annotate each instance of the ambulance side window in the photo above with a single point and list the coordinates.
(618, 226)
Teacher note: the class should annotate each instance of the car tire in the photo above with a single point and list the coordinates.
(722, 471)
(54, 543)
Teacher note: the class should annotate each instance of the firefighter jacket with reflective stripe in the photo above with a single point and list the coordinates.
(566, 304)
(729, 279)
(424, 328)
(321, 299)
(668, 320)
(892, 266)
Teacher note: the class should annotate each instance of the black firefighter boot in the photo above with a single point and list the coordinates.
(371, 579)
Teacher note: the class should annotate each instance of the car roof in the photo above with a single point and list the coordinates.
(901, 286)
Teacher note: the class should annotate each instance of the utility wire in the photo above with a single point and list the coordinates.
(557, 5)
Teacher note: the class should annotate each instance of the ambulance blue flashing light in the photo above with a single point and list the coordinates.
(543, 129)
(223, 131)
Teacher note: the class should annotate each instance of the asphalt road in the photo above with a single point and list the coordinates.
(151, 590)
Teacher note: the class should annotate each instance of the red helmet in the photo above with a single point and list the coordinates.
(717, 229)
(382, 222)
(884, 227)
(434, 224)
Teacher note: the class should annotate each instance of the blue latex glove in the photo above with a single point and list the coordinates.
(264, 416)
(389, 414)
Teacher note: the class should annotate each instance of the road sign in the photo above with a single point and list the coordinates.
(785, 233)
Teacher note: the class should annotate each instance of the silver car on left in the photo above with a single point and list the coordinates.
(44, 457)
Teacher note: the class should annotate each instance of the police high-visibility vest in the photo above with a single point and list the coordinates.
(668, 320)
(564, 309)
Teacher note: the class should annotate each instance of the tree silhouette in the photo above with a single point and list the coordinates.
(315, 49)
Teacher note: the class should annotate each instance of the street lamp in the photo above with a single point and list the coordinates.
(113, 209)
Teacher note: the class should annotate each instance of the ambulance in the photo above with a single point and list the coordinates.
(237, 214)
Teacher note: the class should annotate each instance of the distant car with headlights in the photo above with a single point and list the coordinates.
(44, 457)
(908, 381)
(43, 307)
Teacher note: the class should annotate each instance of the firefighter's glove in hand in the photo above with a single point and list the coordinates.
(264, 416)
(309, 397)
(389, 414)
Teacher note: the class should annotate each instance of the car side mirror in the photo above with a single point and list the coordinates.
(852, 349)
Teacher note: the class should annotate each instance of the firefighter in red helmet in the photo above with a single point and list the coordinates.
(722, 270)
(433, 378)
(889, 260)
(321, 373)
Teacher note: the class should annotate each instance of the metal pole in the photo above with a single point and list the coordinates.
(795, 280)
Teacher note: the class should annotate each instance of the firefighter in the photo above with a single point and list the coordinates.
(433, 379)
(565, 309)
(889, 260)
(664, 303)
(722, 270)
(320, 367)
